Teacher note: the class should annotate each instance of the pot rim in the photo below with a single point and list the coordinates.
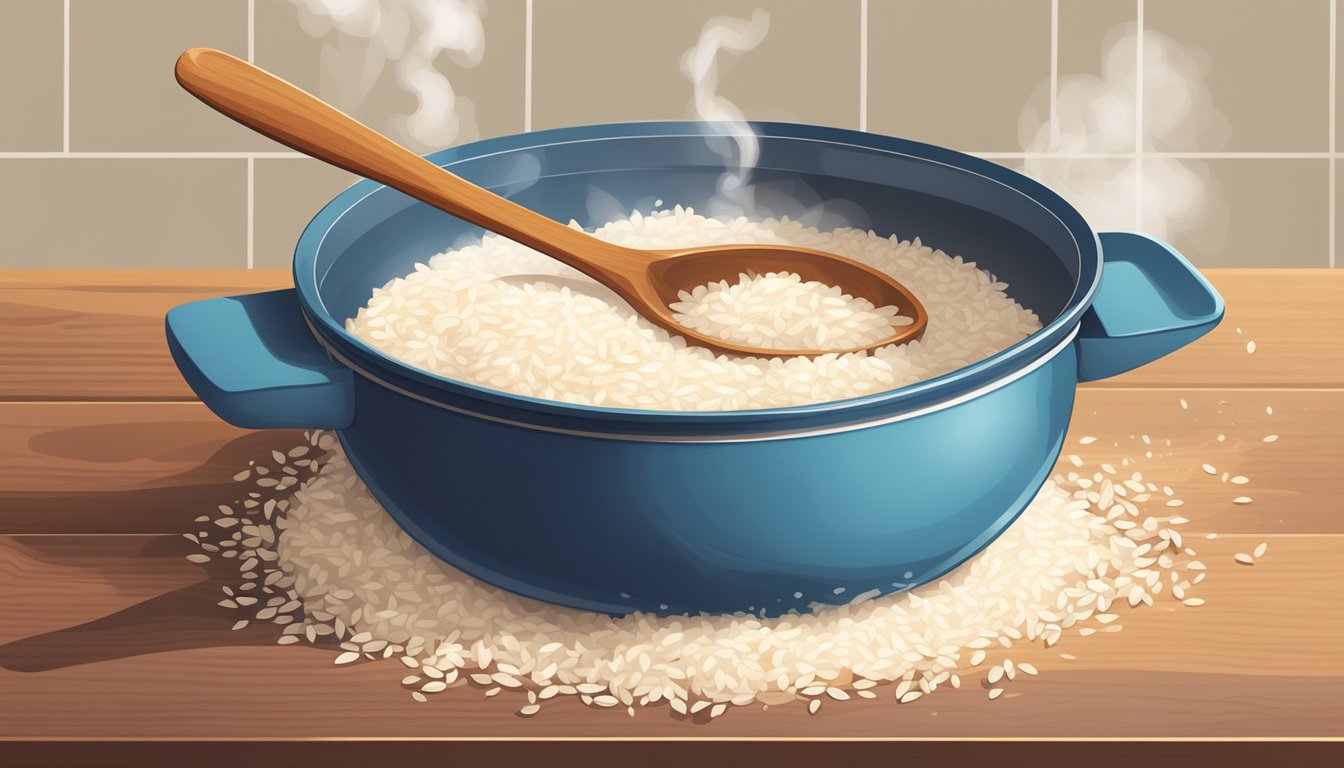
(749, 437)
(486, 402)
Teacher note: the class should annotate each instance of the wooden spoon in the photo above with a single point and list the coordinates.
(648, 280)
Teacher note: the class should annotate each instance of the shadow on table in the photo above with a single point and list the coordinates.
(169, 505)
(187, 617)
(80, 574)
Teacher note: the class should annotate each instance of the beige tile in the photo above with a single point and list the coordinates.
(1088, 28)
(957, 72)
(1339, 213)
(123, 97)
(1101, 189)
(1261, 213)
(1268, 72)
(123, 213)
(287, 195)
(331, 65)
(1089, 33)
(614, 60)
(31, 76)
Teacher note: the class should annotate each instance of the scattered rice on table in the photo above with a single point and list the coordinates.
(320, 558)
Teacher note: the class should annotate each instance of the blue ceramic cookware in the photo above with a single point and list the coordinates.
(762, 511)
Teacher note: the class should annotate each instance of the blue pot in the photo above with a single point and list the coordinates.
(762, 511)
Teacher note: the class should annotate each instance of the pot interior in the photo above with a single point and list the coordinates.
(1004, 222)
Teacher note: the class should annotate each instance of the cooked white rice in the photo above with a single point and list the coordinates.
(779, 310)
(456, 317)
(318, 555)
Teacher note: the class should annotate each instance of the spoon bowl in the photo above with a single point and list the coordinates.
(680, 270)
(648, 280)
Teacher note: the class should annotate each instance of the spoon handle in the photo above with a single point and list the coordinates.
(296, 118)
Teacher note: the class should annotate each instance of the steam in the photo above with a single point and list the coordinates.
(1096, 116)
(363, 37)
(700, 65)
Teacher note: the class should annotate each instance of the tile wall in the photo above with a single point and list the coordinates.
(105, 162)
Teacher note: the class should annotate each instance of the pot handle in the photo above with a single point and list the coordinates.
(1151, 302)
(253, 360)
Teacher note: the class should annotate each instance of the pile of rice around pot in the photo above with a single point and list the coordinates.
(317, 555)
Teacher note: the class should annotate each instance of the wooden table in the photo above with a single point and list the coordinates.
(107, 632)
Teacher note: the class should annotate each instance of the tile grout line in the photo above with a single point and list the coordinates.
(65, 79)
(1138, 117)
(863, 65)
(527, 67)
(1054, 73)
(1332, 241)
(251, 161)
(286, 155)
(280, 155)
(1172, 155)
(251, 210)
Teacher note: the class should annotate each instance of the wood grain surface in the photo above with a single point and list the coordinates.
(107, 632)
(98, 335)
(138, 467)
(124, 640)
